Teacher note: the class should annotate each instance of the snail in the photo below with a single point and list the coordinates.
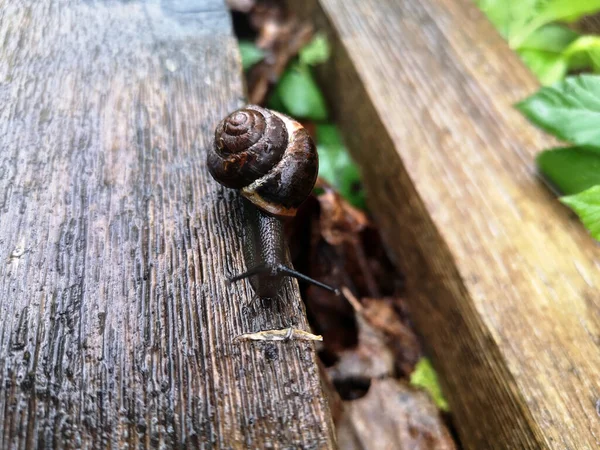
(271, 159)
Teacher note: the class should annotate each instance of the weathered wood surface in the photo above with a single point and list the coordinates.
(116, 322)
(503, 279)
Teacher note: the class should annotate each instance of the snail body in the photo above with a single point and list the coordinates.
(264, 247)
(272, 160)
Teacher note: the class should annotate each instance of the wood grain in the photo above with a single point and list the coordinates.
(117, 323)
(503, 279)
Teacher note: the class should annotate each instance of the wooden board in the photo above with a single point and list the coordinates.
(503, 279)
(117, 323)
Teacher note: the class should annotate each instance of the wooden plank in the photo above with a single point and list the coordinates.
(117, 323)
(503, 279)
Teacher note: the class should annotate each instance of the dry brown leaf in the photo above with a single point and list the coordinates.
(371, 358)
(386, 346)
(342, 226)
(332, 317)
(382, 346)
(392, 416)
(340, 222)
(399, 337)
(281, 36)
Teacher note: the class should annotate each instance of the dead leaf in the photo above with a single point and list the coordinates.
(371, 358)
(392, 416)
(386, 346)
(399, 336)
(342, 226)
(340, 221)
(281, 36)
(332, 317)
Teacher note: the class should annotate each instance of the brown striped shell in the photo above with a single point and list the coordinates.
(268, 156)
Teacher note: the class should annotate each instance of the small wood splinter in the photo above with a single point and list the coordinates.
(286, 334)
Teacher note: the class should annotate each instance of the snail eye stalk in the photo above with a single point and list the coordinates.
(299, 276)
(264, 268)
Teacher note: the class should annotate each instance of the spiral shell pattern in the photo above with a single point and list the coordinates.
(268, 156)
(248, 143)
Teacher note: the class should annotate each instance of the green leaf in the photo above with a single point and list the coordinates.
(543, 52)
(336, 166)
(547, 11)
(586, 205)
(508, 16)
(579, 61)
(300, 94)
(316, 51)
(251, 54)
(424, 376)
(550, 38)
(569, 109)
(570, 170)
(274, 102)
(553, 50)
(517, 20)
(548, 67)
(584, 52)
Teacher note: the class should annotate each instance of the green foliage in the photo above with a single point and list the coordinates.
(551, 54)
(336, 167)
(250, 53)
(297, 92)
(587, 206)
(300, 95)
(548, 67)
(424, 376)
(551, 38)
(518, 19)
(544, 52)
(316, 52)
(569, 109)
(547, 11)
(274, 102)
(508, 16)
(549, 50)
(570, 170)
(584, 53)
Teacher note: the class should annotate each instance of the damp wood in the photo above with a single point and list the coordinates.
(503, 280)
(118, 323)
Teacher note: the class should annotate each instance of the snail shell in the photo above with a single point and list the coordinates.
(268, 156)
